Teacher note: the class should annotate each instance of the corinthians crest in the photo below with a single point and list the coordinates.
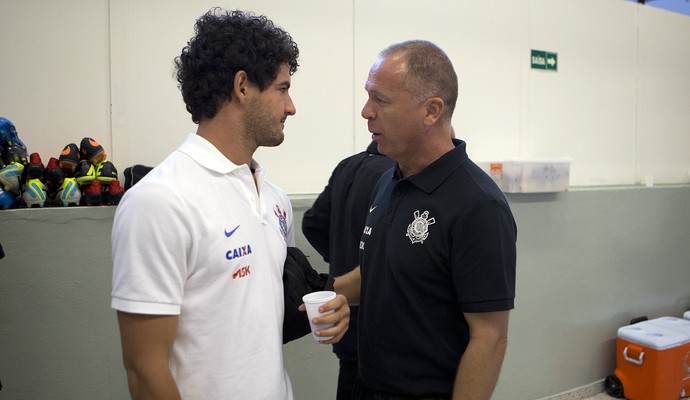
(282, 221)
(418, 230)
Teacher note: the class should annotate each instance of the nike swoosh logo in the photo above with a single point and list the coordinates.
(228, 234)
(372, 208)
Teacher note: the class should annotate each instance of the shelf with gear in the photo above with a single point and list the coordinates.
(80, 176)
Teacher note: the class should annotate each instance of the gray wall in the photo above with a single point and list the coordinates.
(588, 262)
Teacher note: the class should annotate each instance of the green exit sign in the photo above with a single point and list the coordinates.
(544, 60)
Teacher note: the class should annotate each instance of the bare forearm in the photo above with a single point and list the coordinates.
(349, 286)
(146, 344)
(478, 372)
(152, 386)
(481, 363)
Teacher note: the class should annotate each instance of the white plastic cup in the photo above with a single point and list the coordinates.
(313, 301)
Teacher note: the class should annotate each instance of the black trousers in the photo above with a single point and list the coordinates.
(361, 392)
(346, 379)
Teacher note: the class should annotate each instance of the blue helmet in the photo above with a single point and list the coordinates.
(8, 133)
(12, 149)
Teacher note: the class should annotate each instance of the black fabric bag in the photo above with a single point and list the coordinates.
(134, 174)
(299, 278)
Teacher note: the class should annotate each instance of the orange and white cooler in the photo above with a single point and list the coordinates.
(653, 359)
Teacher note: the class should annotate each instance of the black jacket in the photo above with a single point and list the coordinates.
(334, 223)
(299, 278)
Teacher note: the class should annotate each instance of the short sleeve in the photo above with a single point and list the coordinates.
(484, 258)
(151, 241)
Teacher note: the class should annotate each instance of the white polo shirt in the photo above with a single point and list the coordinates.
(194, 238)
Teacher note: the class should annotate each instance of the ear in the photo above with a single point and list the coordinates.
(240, 86)
(434, 110)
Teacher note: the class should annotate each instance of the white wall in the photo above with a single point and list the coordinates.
(54, 72)
(663, 122)
(483, 41)
(149, 119)
(587, 109)
(616, 105)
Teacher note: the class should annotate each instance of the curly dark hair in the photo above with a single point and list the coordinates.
(224, 43)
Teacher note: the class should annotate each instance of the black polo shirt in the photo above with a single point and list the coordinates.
(436, 244)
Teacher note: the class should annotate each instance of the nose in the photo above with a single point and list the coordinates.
(290, 107)
(367, 111)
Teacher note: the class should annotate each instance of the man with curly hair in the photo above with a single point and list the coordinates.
(200, 242)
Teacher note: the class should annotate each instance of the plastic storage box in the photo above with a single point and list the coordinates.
(530, 175)
(653, 359)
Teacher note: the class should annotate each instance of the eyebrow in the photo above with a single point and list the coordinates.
(285, 84)
(377, 94)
